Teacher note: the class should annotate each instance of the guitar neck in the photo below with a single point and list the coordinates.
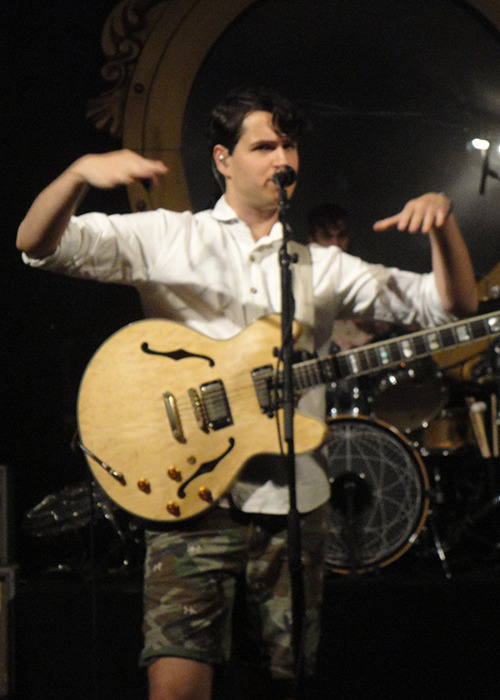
(387, 353)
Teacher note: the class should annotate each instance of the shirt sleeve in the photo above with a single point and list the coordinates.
(346, 286)
(120, 248)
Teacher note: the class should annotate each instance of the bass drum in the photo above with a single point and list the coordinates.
(379, 494)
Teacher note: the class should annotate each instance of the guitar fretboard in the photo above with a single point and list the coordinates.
(387, 353)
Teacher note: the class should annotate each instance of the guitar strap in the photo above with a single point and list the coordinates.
(303, 293)
(312, 401)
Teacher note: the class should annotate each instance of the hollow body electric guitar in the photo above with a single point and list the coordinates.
(168, 417)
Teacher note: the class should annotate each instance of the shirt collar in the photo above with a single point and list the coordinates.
(223, 212)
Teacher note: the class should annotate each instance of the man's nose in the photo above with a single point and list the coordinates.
(281, 156)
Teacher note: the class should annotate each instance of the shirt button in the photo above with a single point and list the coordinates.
(252, 258)
(253, 290)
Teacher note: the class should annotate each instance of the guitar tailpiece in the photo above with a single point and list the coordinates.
(116, 475)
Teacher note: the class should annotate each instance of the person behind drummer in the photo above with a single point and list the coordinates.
(225, 572)
(329, 225)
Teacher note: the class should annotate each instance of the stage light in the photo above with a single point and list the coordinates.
(480, 144)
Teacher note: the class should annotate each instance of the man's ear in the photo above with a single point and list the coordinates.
(220, 154)
(219, 171)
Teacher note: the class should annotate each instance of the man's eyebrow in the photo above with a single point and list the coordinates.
(286, 140)
(267, 141)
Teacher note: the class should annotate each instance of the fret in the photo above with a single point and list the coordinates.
(447, 337)
(372, 357)
(344, 365)
(420, 344)
(364, 359)
(480, 327)
(394, 352)
(307, 375)
(328, 370)
(314, 376)
(300, 377)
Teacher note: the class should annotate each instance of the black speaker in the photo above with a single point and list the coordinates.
(5, 518)
(7, 586)
(7, 590)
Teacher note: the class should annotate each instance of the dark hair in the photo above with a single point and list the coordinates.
(324, 214)
(227, 117)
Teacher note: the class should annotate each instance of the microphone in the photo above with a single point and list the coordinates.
(285, 177)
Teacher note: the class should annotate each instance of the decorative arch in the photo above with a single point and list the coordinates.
(154, 49)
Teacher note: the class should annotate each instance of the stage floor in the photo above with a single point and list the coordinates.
(404, 631)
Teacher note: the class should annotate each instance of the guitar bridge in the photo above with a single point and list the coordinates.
(198, 409)
(215, 405)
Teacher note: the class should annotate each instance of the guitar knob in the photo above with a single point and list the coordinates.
(173, 509)
(174, 474)
(144, 485)
(205, 494)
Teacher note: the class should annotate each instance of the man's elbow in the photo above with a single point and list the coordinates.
(464, 308)
(26, 243)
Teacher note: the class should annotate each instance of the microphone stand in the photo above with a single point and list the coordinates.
(293, 518)
(486, 172)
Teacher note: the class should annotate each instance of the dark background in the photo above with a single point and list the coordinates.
(395, 90)
(51, 64)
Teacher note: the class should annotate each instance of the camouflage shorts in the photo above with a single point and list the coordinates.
(220, 588)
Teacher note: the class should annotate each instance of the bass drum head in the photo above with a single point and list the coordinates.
(379, 494)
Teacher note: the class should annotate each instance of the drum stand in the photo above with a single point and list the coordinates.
(349, 495)
(71, 510)
(490, 453)
(438, 546)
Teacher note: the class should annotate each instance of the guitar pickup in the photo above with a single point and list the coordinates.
(263, 380)
(215, 405)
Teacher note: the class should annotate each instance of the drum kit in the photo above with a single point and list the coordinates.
(412, 456)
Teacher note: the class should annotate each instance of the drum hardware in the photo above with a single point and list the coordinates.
(350, 495)
(72, 509)
(481, 525)
(478, 535)
(350, 396)
(438, 545)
